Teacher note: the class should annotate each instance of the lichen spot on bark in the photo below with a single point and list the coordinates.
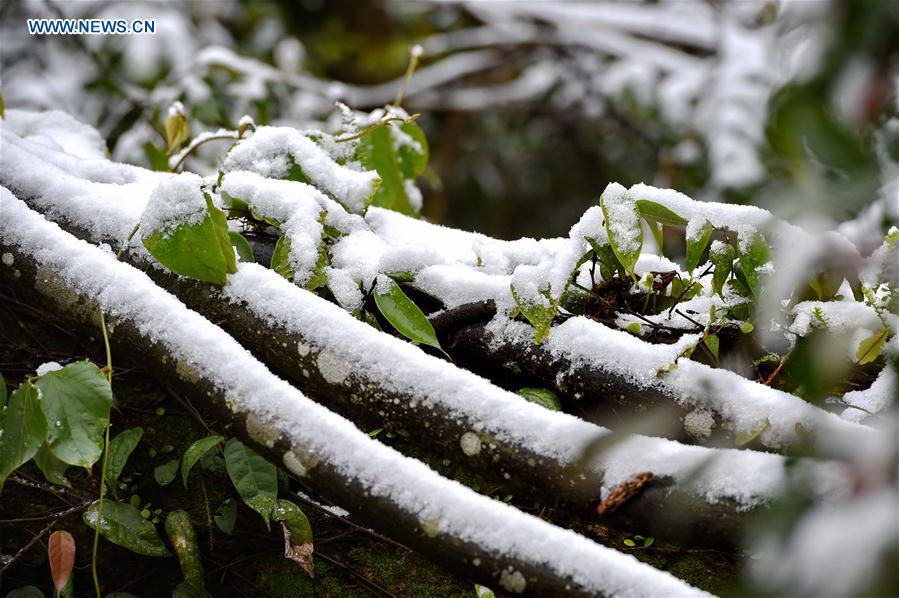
(260, 432)
(470, 443)
(513, 581)
(332, 368)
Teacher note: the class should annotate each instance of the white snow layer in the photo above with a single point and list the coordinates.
(741, 403)
(557, 436)
(126, 293)
(269, 151)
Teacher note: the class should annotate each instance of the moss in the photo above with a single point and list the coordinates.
(406, 573)
(401, 572)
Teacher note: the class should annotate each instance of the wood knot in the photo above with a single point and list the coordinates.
(624, 492)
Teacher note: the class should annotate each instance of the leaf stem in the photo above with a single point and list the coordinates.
(118, 256)
(105, 454)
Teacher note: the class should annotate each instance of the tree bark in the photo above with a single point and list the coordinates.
(47, 288)
(661, 508)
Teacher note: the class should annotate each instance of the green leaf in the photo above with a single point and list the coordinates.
(542, 396)
(633, 328)
(255, 479)
(413, 160)
(696, 245)
(539, 315)
(630, 543)
(220, 227)
(281, 258)
(723, 260)
(755, 256)
(226, 516)
(483, 592)
(183, 537)
(404, 315)
(376, 152)
(23, 428)
(744, 438)
(202, 251)
(195, 452)
(298, 533)
(123, 525)
(26, 592)
(53, 469)
(120, 448)
(712, 343)
(648, 542)
(242, 246)
(165, 474)
(76, 401)
(869, 349)
(319, 278)
(608, 261)
(622, 222)
(655, 211)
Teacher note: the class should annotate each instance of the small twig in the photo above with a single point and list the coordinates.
(780, 365)
(688, 287)
(689, 319)
(43, 532)
(414, 54)
(233, 135)
(349, 522)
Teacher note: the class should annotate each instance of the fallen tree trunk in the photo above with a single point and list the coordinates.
(380, 381)
(478, 537)
(622, 371)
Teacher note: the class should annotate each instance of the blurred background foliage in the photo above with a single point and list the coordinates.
(530, 107)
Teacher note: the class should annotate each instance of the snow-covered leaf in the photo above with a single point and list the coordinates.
(696, 245)
(200, 250)
(622, 222)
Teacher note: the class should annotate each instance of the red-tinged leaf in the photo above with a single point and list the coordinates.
(61, 549)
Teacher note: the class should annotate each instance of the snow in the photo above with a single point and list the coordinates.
(835, 549)
(298, 208)
(174, 202)
(58, 130)
(873, 400)
(622, 218)
(739, 402)
(840, 317)
(267, 151)
(749, 478)
(326, 438)
(46, 368)
(446, 262)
